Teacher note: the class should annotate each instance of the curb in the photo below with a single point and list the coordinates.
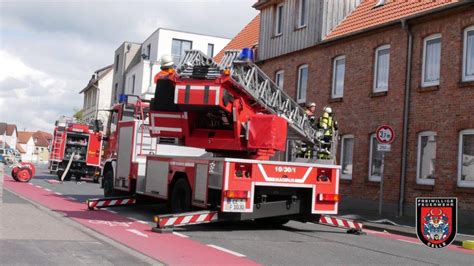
(409, 231)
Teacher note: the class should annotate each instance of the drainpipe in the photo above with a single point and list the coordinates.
(406, 112)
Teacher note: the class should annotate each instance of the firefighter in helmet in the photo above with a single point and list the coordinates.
(165, 86)
(328, 123)
(310, 110)
(305, 150)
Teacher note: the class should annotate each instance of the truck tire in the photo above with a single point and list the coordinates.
(66, 178)
(180, 196)
(108, 182)
(272, 221)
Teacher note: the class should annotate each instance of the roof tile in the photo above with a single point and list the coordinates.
(366, 15)
(247, 37)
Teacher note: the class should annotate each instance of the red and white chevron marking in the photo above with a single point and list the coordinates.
(186, 219)
(338, 222)
(102, 203)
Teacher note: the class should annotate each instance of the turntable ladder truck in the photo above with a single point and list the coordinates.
(239, 119)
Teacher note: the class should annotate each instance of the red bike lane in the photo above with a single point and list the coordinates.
(166, 248)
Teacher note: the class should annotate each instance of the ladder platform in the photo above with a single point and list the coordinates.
(99, 203)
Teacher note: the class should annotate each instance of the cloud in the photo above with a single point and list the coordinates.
(29, 97)
(49, 49)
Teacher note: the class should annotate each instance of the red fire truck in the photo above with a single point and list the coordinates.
(76, 149)
(213, 148)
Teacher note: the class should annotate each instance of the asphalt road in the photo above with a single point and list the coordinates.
(293, 244)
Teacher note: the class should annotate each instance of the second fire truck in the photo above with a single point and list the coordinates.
(76, 149)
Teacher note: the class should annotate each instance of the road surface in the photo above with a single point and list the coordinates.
(233, 243)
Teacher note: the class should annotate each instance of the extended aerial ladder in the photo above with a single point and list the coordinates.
(264, 93)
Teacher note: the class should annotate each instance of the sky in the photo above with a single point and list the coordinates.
(50, 49)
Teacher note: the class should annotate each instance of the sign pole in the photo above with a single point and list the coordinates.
(381, 183)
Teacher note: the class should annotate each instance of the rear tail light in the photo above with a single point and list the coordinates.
(236, 194)
(329, 197)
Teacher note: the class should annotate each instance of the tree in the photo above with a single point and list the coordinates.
(78, 114)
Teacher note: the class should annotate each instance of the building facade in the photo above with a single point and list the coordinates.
(138, 75)
(126, 56)
(98, 95)
(413, 70)
(8, 134)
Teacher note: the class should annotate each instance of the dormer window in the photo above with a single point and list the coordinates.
(379, 3)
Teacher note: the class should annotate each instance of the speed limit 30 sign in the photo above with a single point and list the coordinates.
(385, 134)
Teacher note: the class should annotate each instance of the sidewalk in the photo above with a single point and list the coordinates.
(397, 225)
(31, 235)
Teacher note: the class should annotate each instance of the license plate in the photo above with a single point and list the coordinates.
(236, 204)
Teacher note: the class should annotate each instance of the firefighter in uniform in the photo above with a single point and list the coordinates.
(306, 150)
(328, 123)
(165, 87)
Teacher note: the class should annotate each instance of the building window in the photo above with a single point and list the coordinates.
(468, 55)
(94, 97)
(302, 84)
(466, 158)
(431, 60)
(279, 20)
(425, 173)
(347, 151)
(375, 160)
(339, 67)
(148, 51)
(178, 47)
(133, 84)
(302, 13)
(117, 57)
(115, 91)
(210, 50)
(382, 66)
(279, 77)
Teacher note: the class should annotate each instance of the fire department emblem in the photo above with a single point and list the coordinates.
(436, 221)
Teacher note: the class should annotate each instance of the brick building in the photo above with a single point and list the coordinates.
(409, 64)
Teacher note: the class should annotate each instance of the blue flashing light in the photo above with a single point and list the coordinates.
(246, 55)
(123, 98)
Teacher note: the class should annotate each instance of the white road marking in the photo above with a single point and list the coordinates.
(137, 220)
(408, 241)
(135, 231)
(31, 184)
(47, 189)
(71, 198)
(181, 235)
(226, 250)
(57, 193)
(112, 211)
(38, 186)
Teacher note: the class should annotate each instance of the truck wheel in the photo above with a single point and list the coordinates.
(180, 196)
(272, 221)
(66, 178)
(108, 183)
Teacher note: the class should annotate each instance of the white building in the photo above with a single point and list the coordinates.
(28, 147)
(8, 135)
(98, 95)
(144, 64)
